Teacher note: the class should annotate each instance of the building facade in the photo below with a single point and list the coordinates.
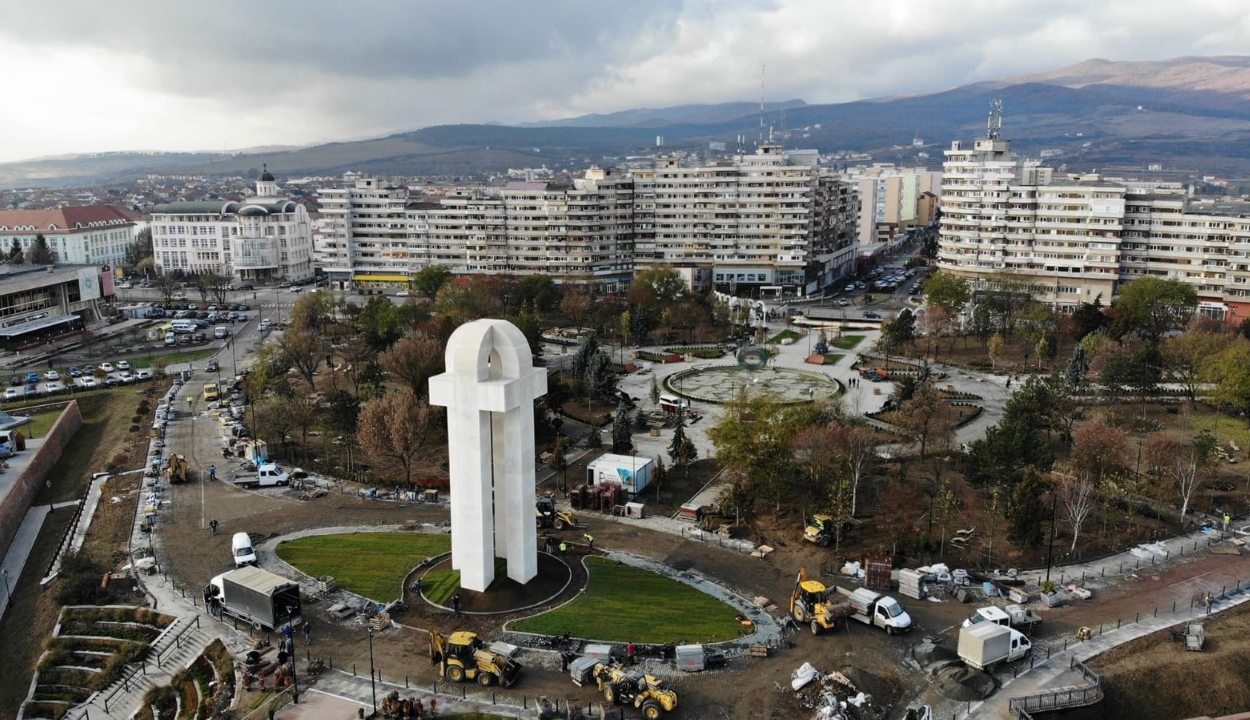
(893, 200)
(40, 303)
(1075, 239)
(771, 221)
(87, 235)
(265, 238)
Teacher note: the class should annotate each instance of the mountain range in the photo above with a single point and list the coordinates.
(1188, 116)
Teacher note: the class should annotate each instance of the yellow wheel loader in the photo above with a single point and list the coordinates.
(643, 691)
(548, 516)
(462, 656)
(810, 604)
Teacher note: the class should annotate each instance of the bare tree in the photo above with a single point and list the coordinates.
(859, 453)
(927, 418)
(166, 285)
(414, 360)
(397, 430)
(575, 304)
(1077, 494)
(1179, 465)
(304, 350)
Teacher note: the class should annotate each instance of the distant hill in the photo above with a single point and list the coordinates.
(1187, 114)
(659, 117)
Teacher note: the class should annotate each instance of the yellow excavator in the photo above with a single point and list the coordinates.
(548, 516)
(810, 603)
(463, 656)
(643, 691)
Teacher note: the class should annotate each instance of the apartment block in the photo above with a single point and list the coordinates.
(767, 220)
(893, 200)
(1074, 239)
(264, 238)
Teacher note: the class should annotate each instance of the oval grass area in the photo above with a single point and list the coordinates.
(368, 564)
(627, 604)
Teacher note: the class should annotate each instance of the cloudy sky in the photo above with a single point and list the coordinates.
(87, 76)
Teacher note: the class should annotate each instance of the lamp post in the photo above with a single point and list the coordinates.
(8, 594)
(372, 686)
(49, 485)
(290, 627)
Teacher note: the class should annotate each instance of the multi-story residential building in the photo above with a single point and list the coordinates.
(770, 220)
(89, 235)
(1075, 239)
(893, 200)
(264, 238)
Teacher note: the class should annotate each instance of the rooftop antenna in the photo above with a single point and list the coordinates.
(994, 128)
(762, 68)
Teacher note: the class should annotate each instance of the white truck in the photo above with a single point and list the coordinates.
(267, 475)
(258, 597)
(1013, 616)
(873, 608)
(985, 645)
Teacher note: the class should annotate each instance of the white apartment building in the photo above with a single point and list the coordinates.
(583, 231)
(1077, 238)
(87, 235)
(893, 200)
(265, 238)
(771, 220)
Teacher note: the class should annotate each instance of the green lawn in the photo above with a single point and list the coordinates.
(439, 585)
(1224, 428)
(832, 359)
(784, 335)
(369, 564)
(624, 604)
(846, 342)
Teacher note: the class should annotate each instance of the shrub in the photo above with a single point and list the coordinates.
(80, 581)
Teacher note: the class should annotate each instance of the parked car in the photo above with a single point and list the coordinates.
(184, 339)
(402, 293)
(74, 372)
(844, 302)
(32, 378)
(200, 337)
(32, 390)
(295, 289)
(52, 375)
(126, 377)
(212, 366)
(143, 374)
(12, 394)
(247, 287)
(111, 380)
(88, 382)
(870, 315)
(106, 367)
(171, 339)
(123, 364)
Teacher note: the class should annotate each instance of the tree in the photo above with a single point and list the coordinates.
(275, 418)
(341, 412)
(655, 390)
(594, 439)
(537, 291)
(39, 253)
(1027, 511)
(658, 475)
(15, 253)
(380, 323)
(996, 348)
(430, 279)
(314, 311)
(1230, 371)
(1152, 307)
(753, 438)
(397, 431)
(682, 450)
(901, 330)
(1099, 449)
(927, 419)
(859, 453)
(1188, 356)
(166, 285)
(1078, 366)
(936, 323)
(1182, 466)
(657, 285)
(622, 435)
(413, 361)
(557, 461)
(1076, 495)
(816, 454)
(139, 250)
(1090, 318)
(303, 350)
(575, 304)
(946, 291)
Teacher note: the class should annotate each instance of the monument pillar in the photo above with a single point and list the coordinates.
(489, 390)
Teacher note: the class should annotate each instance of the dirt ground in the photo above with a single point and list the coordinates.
(1152, 678)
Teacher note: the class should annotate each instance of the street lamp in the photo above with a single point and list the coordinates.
(372, 687)
(49, 484)
(290, 628)
(8, 594)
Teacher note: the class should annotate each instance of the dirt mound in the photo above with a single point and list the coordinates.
(964, 684)
(929, 653)
(879, 688)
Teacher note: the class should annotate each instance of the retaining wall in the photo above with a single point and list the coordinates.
(18, 501)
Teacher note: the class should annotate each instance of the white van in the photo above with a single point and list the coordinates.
(182, 327)
(241, 546)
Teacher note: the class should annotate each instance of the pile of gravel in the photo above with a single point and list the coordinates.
(964, 684)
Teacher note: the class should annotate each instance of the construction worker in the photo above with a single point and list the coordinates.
(212, 472)
(213, 524)
(563, 547)
(590, 542)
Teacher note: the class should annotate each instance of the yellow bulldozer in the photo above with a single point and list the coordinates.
(643, 691)
(810, 604)
(548, 516)
(463, 656)
(176, 471)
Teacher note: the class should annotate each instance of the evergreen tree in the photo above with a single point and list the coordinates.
(594, 439)
(39, 253)
(682, 450)
(1028, 511)
(622, 437)
(1078, 366)
(655, 390)
(15, 253)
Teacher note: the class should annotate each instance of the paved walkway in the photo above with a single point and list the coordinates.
(19, 550)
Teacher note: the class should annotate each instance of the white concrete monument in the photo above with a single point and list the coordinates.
(489, 390)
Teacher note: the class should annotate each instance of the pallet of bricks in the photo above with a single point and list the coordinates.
(380, 622)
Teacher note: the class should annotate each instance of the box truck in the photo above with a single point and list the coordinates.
(1014, 616)
(985, 645)
(258, 597)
